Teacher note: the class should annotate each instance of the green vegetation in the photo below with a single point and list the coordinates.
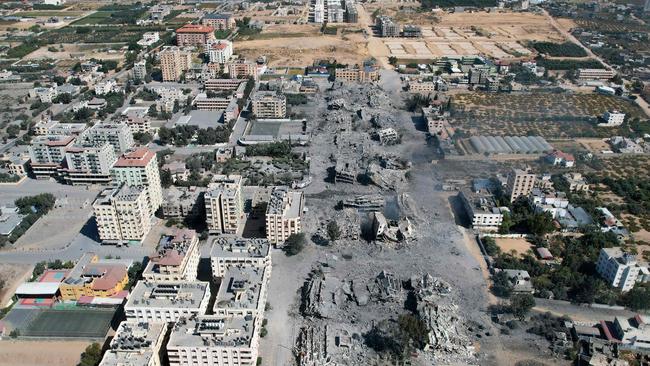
(135, 272)
(296, 99)
(566, 49)
(8, 178)
(398, 338)
(569, 64)
(333, 230)
(91, 356)
(24, 49)
(273, 149)
(521, 304)
(40, 267)
(143, 138)
(294, 244)
(184, 135)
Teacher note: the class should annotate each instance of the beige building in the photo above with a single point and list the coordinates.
(283, 215)
(88, 164)
(520, 183)
(194, 35)
(233, 251)
(122, 214)
(358, 75)
(224, 206)
(47, 153)
(173, 62)
(242, 69)
(269, 105)
(136, 344)
(119, 135)
(177, 258)
(139, 168)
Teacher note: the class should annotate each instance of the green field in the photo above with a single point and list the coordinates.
(100, 17)
(50, 13)
(78, 323)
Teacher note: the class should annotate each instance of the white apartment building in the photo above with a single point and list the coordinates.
(167, 302)
(283, 214)
(139, 168)
(140, 70)
(612, 119)
(224, 206)
(149, 38)
(219, 51)
(45, 95)
(122, 214)
(50, 127)
(228, 251)
(119, 135)
(136, 344)
(620, 269)
(633, 331)
(520, 183)
(105, 87)
(214, 341)
(481, 210)
(269, 105)
(88, 164)
(595, 74)
(177, 258)
(242, 292)
(47, 154)
(173, 62)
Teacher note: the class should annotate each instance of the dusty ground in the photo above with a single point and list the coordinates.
(594, 145)
(519, 245)
(12, 275)
(73, 51)
(39, 353)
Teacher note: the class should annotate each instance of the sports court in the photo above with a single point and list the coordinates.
(78, 323)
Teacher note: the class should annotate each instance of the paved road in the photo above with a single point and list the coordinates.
(578, 312)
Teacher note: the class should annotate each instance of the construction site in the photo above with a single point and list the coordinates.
(397, 257)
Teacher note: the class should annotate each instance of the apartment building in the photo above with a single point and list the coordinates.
(219, 21)
(358, 75)
(421, 86)
(177, 258)
(105, 87)
(122, 214)
(174, 62)
(219, 51)
(595, 74)
(230, 251)
(205, 103)
(167, 302)
(620, 269)
(242, 69)
(386, 27)
(149, 38)
(194, 35)
(267, 104)
(181, 202)
(224, 206)
(242, 292)
(520, 183)
(223, 84)
(139, 168)
(576, 182)
(137, 124)
(634, 331)
(140, 70)
(283, 214)
(47, 153)
(482, 210)
(136, 344)
(118, 135)
(214, 341)
(88, 164)
(612, 119)
(50, 127)
(94, 277)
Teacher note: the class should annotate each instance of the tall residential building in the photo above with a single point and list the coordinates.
(224, 205)
(219, 21)
(269, 105)
(140, 70)
(481, 209)
(620, 269)
(358, 75)
(88, 164)
(177, 258)
(139, 168)
(242, 69)
(173, 62)
(230, 251)
(136, 344)
(194, 35)
(47, 153)
(122, 214)
(167, 302)
(219, 51)
(386, 27)
(214, 340)
(119, 135)
(520, 183)
(283, 214)
(646, 7)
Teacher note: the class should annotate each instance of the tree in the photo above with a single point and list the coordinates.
(637, 298)
(91, 356)
(333, 230)
(64, 98)
(13, 131)
(134, 274)
(294, 244)
(501, 285)
(392, 60)
(520, 304)
(540, 223)
(143, 138)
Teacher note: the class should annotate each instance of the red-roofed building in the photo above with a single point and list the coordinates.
(140, 168)
(177, 258)
(194, 35)
(90, 277)
(558, 157)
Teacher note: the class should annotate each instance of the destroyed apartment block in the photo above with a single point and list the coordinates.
(385, 178)
(323, 294)
(326, 345)
(345, 172)
(391, 230)
(371, 202)
(336, 104)
(386, 287)
(394, 162)
(388, 136)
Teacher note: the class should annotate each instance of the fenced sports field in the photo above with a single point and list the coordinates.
(80, 323)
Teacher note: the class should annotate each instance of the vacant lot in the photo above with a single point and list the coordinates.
(39, 353)
(12, 275)
(73, 51)
(550, 115)
(519, 245)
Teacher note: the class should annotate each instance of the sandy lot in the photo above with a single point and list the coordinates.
(77, 51)
(51, 353)
(12, 275)
(519, 245)
(594, 145)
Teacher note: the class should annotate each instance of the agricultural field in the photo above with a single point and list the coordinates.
(545, 114)
(611, 26)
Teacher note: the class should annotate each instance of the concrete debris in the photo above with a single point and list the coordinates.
(388, 136)
(391, 230)
(371, 202)
(386, 287)
(389, 179)
(345, 172)
(336, 104)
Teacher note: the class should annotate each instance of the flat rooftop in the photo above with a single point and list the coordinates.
(284, 202)
(168, 295)
(134, 344)
(234, 247)
(240, 288)
(213, 331)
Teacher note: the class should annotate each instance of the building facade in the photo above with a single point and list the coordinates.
(122, 214)
(224, 207)
(174, 62)
(194, 35)
(139, 168)
(283, 215)
(269, 105)
(619, 269)
(520, 183)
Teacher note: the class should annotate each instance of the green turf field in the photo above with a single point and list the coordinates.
(79, 323)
